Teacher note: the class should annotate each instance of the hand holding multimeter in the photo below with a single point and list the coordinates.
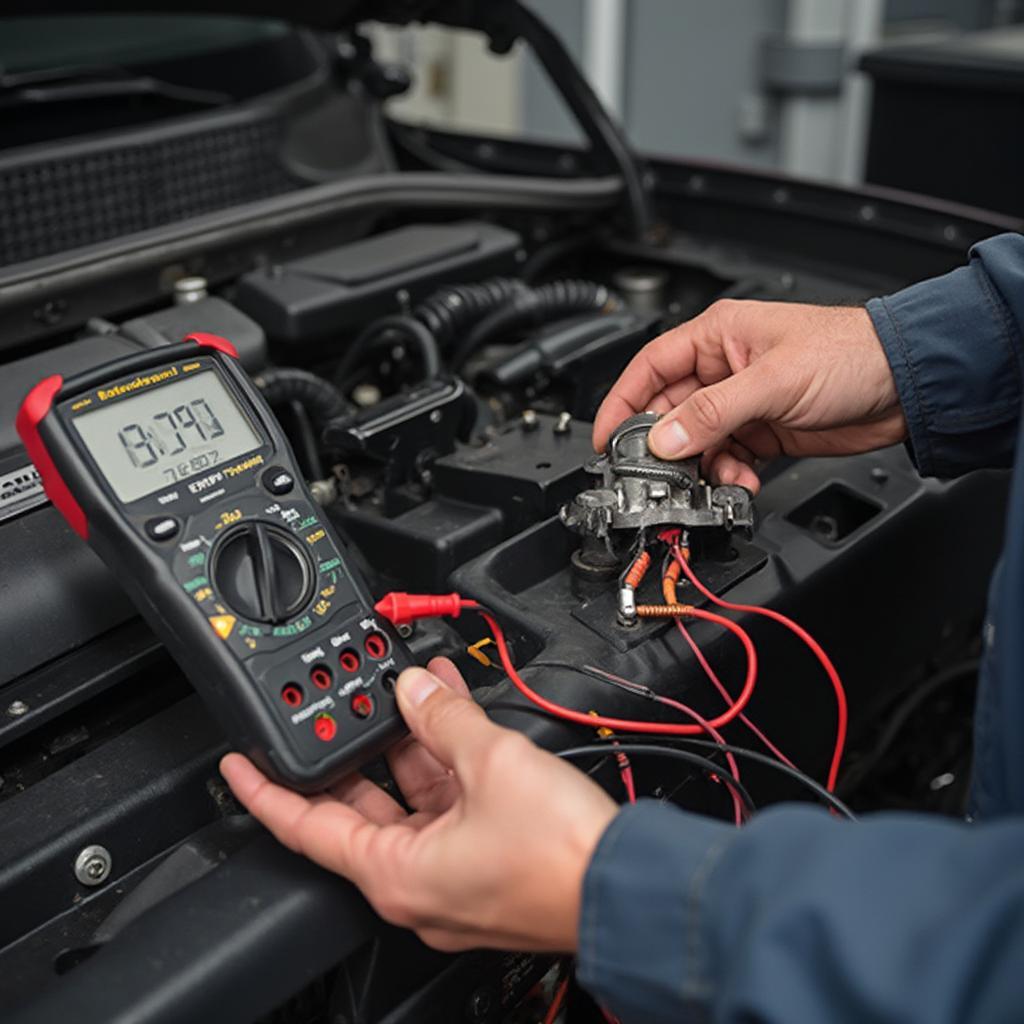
(172, 466)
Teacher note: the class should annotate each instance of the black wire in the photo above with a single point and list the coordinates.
(637, 689)
(794, 773)
(902, 715)
(694, 760)
(377, 333)
(805, 780)
(641, 690)
(359, 1016)
(753, 755)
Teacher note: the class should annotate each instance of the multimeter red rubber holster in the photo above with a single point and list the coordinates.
(303, 684)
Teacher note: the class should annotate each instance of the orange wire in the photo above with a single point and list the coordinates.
(638, 570)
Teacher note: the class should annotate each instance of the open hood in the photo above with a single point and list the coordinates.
(489, 15)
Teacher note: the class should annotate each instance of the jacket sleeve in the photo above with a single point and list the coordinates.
(955, 347)
(800, 916)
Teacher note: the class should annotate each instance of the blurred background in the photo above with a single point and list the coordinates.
(914, 94)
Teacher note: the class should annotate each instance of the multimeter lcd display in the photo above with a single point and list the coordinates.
(167, 434)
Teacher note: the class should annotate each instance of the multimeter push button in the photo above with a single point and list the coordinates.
(162, 527)
(277, 480)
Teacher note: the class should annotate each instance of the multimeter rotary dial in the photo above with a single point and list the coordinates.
(262, 573)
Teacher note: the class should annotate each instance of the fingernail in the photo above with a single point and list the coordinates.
(669, 439)
(417, 684)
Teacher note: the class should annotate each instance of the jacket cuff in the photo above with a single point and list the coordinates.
(952, 346)
(643, 943)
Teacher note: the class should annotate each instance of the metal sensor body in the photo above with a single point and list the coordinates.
(639, 491)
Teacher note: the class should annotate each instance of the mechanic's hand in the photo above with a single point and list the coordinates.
(500, 836)
(751, 380)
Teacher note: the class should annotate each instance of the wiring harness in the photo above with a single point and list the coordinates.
(624, 738)
(402, 608)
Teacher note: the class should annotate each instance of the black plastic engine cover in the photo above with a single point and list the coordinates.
(304, 300)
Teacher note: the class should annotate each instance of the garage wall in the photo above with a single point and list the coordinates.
(691, 75)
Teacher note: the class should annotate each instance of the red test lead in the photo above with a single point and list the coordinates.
(400, 608)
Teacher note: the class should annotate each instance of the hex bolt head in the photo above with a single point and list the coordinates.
(17, 708)
(530, 420)
(93, 865)
(190, 289)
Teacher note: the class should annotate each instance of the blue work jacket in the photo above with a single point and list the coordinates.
(898, 918)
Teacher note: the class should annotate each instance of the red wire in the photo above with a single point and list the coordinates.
(626, 724)
(556, 1003)
(737, 804)
(815, 647)
(626, 773)
(720, 686)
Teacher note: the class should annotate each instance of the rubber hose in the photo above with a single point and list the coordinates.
(552, 301)
(319, 397)
(450, 311)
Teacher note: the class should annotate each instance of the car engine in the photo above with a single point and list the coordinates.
(436, 361)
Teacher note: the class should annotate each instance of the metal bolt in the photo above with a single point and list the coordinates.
(435, 415)
(325, 492)
(405, 630)
(563, 425)
(879, 475)
(17, 708)
(190, 289)
(530, 420)
(480, 1004)
(93, 865)
(365, 395)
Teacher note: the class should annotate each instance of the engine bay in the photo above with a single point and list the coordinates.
(435, 345)
(449, 441)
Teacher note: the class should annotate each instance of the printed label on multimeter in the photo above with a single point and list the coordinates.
(173, 467)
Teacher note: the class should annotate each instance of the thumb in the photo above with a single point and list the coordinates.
(711, 414)
(450, 725)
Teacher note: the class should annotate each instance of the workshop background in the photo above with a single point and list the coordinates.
(911, 94)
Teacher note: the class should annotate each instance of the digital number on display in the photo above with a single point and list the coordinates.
(163, 436)
(173, 432)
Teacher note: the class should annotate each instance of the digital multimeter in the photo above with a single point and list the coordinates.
(173, 467)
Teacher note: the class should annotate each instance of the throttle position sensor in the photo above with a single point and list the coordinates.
(637, 491)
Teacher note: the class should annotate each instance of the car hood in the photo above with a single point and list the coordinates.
(323, 14)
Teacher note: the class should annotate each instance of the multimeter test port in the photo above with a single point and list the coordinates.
(376, 645)
(320, 676)
(349, 660)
